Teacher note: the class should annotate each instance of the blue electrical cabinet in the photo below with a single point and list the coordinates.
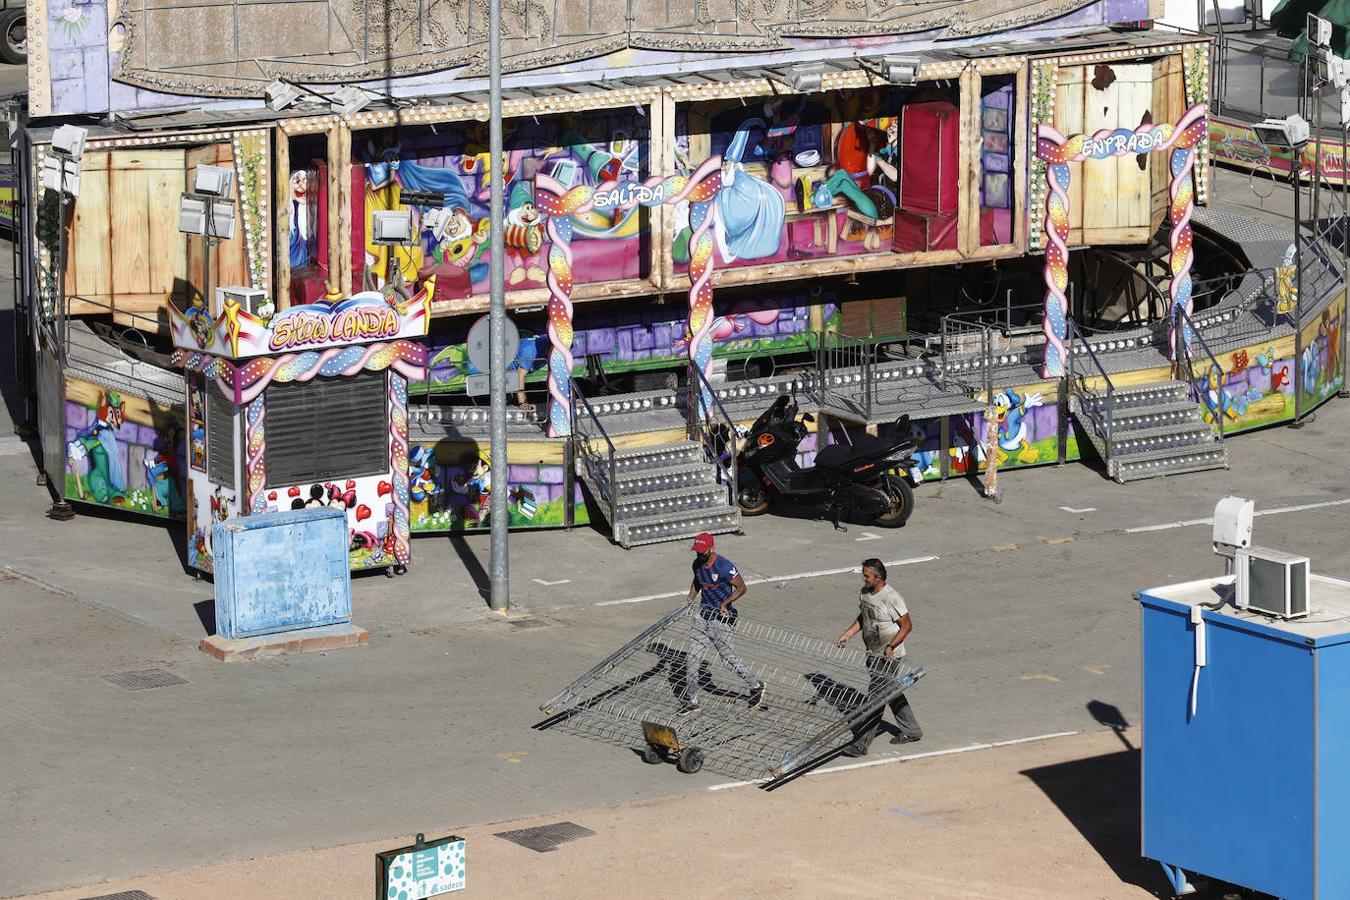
(1246, 760)
(282, 571)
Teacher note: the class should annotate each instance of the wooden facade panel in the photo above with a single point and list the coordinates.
(1116, 191)
(130, 222)
(167, 257)
(1109, 199)
(1169, 104)
(124, 239)
(1069, 121)
(89, 260)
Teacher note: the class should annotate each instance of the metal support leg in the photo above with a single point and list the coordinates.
(945, 446)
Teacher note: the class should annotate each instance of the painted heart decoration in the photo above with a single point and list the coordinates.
(293, 492)
(351, 485)
(384, 488)
(271, 495)
(362, 513)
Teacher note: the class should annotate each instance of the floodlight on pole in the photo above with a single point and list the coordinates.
(209, 213)
(1288, 133)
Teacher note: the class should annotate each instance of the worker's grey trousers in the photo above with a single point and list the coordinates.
(721, 634)
(881, 672)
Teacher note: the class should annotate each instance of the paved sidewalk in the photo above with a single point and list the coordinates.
(1048, 819)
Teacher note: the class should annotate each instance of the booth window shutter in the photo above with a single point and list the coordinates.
(219, 438)
(326, 428)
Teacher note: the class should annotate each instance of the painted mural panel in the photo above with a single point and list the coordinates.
(450, 483)
(1256, 388)
(649, 337)
(123, 451)
(452, 237)
(1027, 423)
(803, 177)
(1322, 361)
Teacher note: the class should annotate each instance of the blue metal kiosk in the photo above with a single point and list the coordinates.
(1246, 733)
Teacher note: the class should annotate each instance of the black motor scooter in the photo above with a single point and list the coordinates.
(869, 476)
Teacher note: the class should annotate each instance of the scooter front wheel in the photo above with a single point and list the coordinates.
(902, 502)
(752, 499)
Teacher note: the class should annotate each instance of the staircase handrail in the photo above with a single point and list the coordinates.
(1184, 358)
(1070, 332)
(579, 437)
(726, 469)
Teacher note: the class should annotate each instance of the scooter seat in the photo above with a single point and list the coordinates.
(838, 456)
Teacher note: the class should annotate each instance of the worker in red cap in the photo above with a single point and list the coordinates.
(720, 585)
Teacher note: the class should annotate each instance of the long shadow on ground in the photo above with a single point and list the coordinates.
(1100, 797)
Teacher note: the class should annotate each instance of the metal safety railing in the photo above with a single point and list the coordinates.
(845, 368)
(1184, 329)
(992, 331)
(713, 429)
(1102, 416)
(591, 445)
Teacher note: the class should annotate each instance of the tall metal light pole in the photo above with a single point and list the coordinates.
(500, 598)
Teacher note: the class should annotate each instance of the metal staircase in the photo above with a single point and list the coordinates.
(1142, 431)
(660, 493)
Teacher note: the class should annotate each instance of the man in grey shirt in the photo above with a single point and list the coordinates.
(884, 622)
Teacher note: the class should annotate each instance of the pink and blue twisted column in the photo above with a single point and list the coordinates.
(1191, 130)
(256, 453)
(398, 452)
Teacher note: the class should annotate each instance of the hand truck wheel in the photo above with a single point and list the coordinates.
(690, 761)
(652, 755)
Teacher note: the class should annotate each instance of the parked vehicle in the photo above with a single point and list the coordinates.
(13, 32)
(869, 478)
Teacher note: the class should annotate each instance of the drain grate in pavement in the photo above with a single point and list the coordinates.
(546, 838)
(123, 895)
(144, 679)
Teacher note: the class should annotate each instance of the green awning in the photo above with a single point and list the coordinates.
(1290, 20)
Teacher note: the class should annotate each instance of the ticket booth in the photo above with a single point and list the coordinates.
(305, 408)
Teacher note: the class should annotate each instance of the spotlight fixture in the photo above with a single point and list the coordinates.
(350, 100)
(901, 69)
(1283, 134)
(281, 94)
(60, 170)
(804, 78)
(214, 181)
(68, 141)
(391, 227)
(192, 216)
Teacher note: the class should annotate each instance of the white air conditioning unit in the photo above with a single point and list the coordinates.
(1272, 582)
(249, 299)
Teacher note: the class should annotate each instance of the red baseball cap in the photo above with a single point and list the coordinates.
(703, 543)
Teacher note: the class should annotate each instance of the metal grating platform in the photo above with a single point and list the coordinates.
(817, 693)
(546, 838)
(144, 679)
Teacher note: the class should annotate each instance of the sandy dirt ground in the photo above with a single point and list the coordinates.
(1051, 818)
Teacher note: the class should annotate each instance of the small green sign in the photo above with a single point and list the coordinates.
(426, 869)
